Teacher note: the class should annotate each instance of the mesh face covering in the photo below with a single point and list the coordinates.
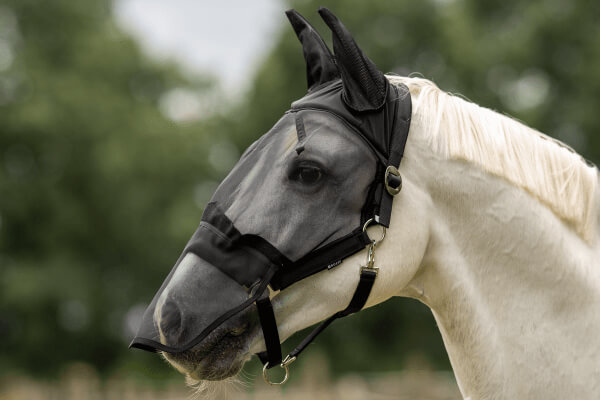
(251, 235)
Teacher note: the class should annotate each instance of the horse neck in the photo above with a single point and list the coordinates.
(514, 290)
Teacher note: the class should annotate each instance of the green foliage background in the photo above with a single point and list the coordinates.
(99, 191)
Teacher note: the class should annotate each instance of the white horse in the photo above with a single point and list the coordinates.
(496, 231)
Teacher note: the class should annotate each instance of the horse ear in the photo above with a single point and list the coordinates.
(320, 64)
(365, 86)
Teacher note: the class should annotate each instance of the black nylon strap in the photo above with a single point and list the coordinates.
(400, 130)
(326, 257)
(365, 284)
(270, 333)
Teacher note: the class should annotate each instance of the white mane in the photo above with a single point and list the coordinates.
(539, 164)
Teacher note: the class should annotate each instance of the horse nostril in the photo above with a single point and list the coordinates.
(170, 321)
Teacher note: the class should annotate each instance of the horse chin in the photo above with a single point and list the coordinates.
(220, 356)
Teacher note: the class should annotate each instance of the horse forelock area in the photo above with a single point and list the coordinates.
(546, 168)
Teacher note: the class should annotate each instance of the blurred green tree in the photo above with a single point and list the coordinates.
(97, 186)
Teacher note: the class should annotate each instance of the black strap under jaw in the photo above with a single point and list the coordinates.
(361, 294)
(272, 356)
(305, 267)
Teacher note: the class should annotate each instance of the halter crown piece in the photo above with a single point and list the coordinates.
(353, 95)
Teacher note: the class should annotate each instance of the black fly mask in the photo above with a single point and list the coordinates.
(238, 259)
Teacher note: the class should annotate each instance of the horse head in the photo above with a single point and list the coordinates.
(289, 223)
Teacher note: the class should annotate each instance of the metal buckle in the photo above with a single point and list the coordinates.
(284, 365)
(393, 171)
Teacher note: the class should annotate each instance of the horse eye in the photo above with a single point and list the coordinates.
(309, 175)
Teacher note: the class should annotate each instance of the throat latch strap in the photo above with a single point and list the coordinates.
(365, 284)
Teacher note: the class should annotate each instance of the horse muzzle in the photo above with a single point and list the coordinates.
(209, 293)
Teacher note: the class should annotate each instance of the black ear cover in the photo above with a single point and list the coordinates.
(365, 86)
(320, 63)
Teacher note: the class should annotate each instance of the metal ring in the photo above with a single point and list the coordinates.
(266, 376)
(375, 242)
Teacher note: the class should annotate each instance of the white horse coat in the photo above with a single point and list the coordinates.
(495, 230)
